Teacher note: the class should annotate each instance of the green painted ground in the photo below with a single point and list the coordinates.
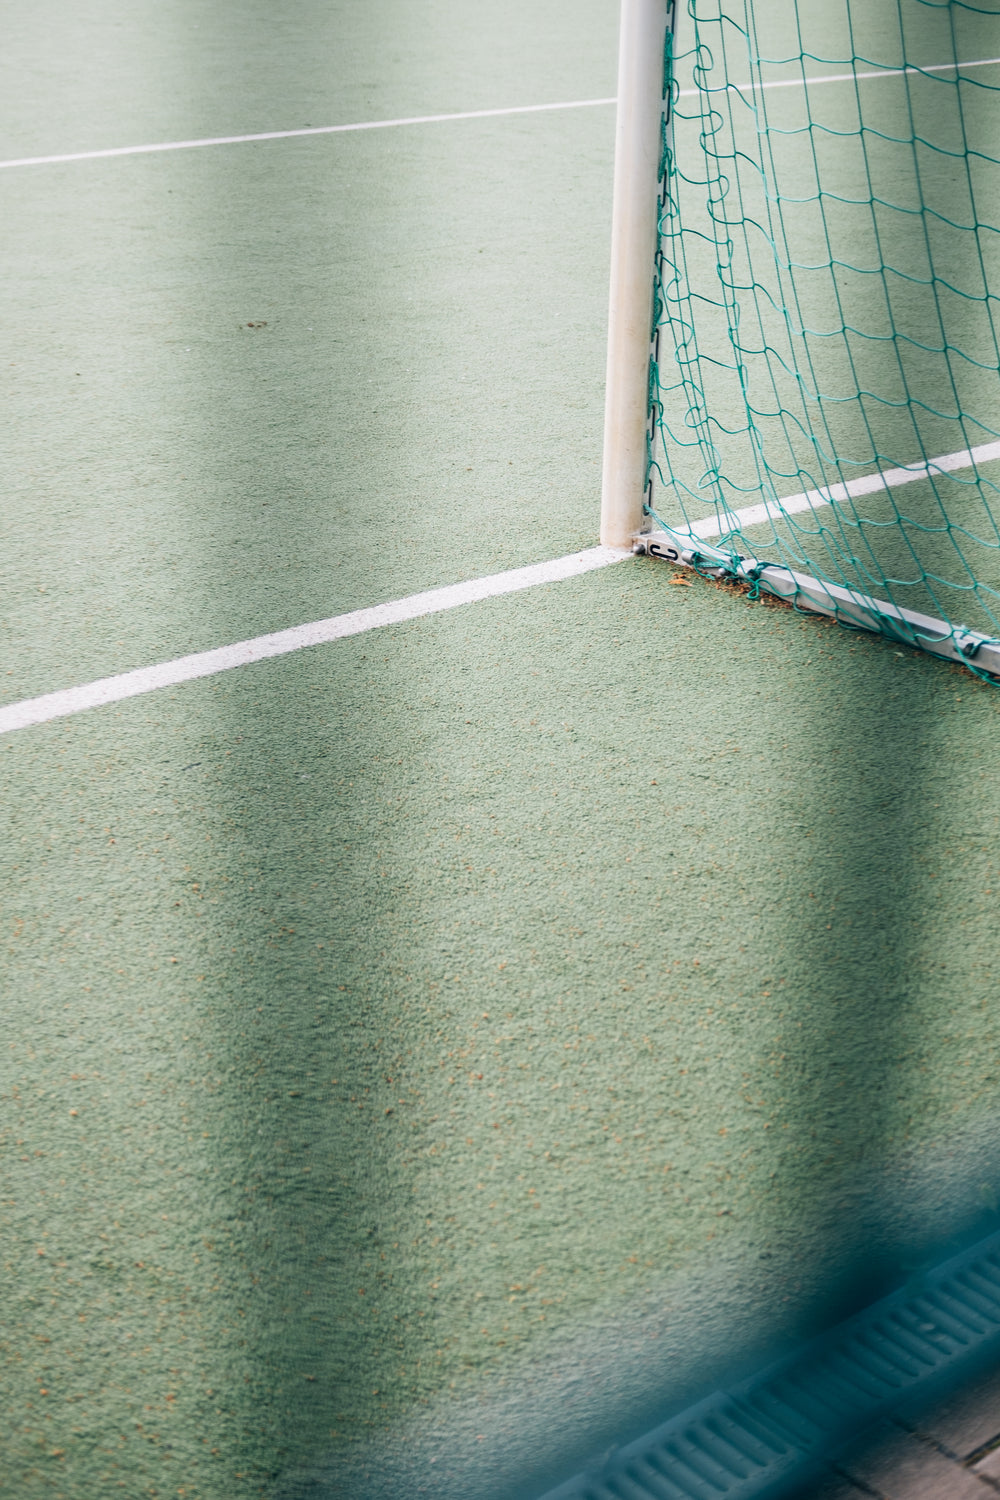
(427, 1056)
(387, 425)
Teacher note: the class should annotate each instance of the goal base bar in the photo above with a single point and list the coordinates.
(847, 606)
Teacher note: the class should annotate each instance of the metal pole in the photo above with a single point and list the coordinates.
(633, 249)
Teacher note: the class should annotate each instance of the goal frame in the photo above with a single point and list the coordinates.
(642, 144)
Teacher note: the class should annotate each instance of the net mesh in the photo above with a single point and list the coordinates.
(824, 386)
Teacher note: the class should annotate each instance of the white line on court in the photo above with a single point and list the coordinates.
(810, 79)
(283, 135)
(867, 484)
(206, 663)
(468, 114)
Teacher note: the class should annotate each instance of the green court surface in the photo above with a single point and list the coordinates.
(430, 1056)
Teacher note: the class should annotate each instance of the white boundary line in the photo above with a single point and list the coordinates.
(808, 80)
(866, 484)
(469, 114)
(284, 135)
(206, 663)
(105, 690)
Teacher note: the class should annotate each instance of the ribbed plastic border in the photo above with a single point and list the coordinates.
(756, 1438)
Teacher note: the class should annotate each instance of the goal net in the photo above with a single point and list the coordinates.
(824, 393)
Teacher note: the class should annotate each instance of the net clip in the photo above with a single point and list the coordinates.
(662, 544)
(967, 642)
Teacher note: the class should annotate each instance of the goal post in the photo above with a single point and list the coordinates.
(803, 375)
(639, 134)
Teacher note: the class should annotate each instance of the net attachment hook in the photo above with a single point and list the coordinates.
(967, 642)
(662, 544)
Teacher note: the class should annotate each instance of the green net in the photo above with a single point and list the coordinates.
(825, 400)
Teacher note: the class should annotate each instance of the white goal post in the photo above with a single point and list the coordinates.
(635, 215)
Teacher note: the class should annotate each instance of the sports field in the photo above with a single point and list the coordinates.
(429, 1056)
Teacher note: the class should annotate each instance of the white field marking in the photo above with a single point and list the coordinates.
(284, 135)
(206, 663)
(867, 484)
(807, 79)
(468, 114)
(75, 700)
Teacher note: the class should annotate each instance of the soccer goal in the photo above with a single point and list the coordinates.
(803, 362)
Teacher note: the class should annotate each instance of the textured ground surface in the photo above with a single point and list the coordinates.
(428, 1056)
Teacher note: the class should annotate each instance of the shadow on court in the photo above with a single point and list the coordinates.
(876, 977)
